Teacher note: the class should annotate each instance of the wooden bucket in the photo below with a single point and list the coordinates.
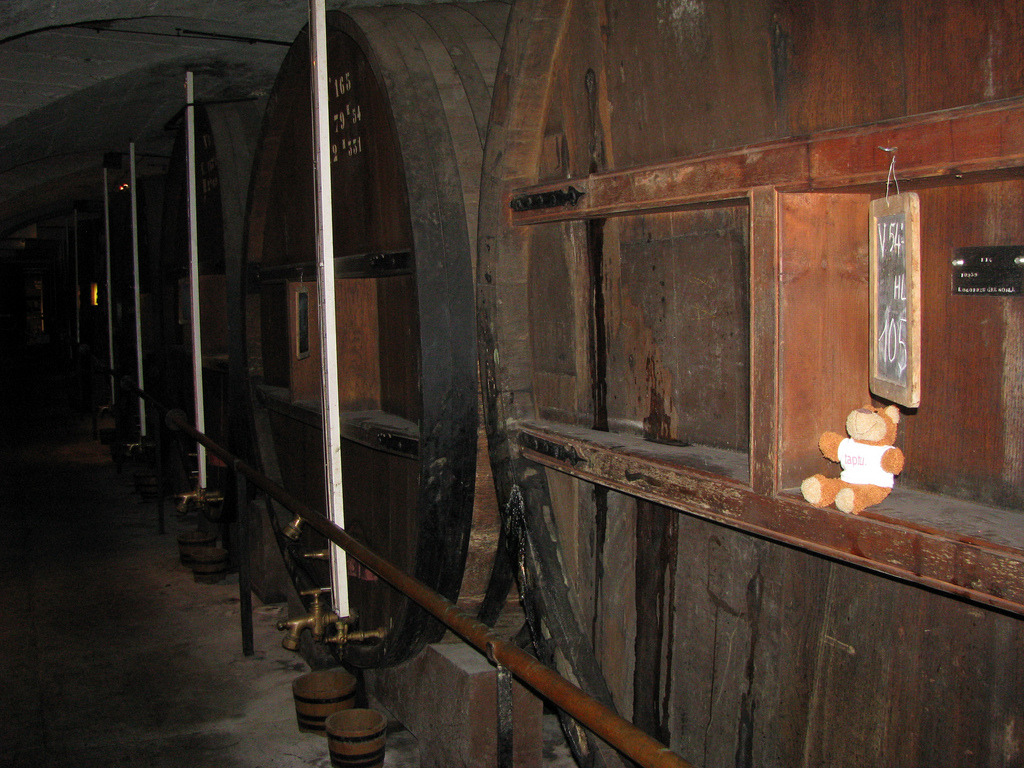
(661, 353)
(147, 485)
(320, 694)
(356, 738)
(209, 564)
(410, 94)
(192, 542)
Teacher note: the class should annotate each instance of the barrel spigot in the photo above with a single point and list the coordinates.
(320, 554)
(139, 449)
(198, 500)
(294, 529)
(186, 500)
(316, 621)
(345, 634)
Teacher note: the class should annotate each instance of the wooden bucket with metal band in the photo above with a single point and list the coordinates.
(673, 305)
(321, 693)
(210, 564)
(356, 738)
(191, 542)
(409, 98)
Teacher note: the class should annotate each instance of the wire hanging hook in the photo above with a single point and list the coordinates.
(891, 177)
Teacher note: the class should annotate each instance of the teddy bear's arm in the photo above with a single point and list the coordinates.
(892, 461)
(828, 443)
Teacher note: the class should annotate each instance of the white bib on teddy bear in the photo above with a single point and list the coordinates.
(862, 464)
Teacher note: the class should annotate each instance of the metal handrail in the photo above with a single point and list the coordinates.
(598, 718)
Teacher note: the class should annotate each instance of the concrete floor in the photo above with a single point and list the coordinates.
(112, 654)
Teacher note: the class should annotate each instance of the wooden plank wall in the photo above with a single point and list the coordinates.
(736, 650)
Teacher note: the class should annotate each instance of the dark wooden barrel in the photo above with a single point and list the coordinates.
(409, 98)
(673, 304)
(226, 134)
(225, 137)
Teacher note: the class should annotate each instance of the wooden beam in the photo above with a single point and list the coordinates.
(949, 145)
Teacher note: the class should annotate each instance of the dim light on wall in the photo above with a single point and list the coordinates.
(94, 294)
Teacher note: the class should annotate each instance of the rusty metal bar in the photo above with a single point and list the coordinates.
(244, 569)
(592, 714)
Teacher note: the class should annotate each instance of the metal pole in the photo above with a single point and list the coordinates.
(325, 274)
(78, 285)
(138, 302)
(161, 526)
(65, 267)
(193, 273)
(110, 300)
(90, 362)
(244, 577)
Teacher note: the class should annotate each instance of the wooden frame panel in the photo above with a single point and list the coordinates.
(810, 279)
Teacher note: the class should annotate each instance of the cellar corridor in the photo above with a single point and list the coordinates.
(112, 654)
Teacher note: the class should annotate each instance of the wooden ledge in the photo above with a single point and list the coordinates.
(987, 572)
(948, 146)
(375, 429)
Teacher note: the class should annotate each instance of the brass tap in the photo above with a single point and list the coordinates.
(212, 501)
(139, 448)
(294, 529)
(186, 500)
(345, 634)
(322, 554)
(316, 621)
(198, 499)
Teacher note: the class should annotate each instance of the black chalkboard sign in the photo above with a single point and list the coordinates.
(896, 299)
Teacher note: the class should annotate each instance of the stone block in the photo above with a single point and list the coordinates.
(447, 698)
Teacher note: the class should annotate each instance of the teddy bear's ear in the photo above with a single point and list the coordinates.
(893, 413)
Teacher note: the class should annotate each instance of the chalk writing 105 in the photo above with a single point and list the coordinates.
(892, 298)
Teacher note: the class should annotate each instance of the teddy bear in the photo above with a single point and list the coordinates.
(867, 456)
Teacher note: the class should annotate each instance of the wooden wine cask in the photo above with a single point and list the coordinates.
(409, 98)
(673, 306)
(225, 138)
(225, 134)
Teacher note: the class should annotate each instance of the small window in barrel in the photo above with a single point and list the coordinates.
(642, 329)
(302, 323)
(678, 329)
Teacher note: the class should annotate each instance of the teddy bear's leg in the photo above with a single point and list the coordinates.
(856, 498)
(820, 490)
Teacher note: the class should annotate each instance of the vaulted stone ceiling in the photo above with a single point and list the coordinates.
(80, 78)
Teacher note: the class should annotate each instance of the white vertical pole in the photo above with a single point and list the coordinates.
(325, 273)
(138, 301)
(110, 300)
(193, 271)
